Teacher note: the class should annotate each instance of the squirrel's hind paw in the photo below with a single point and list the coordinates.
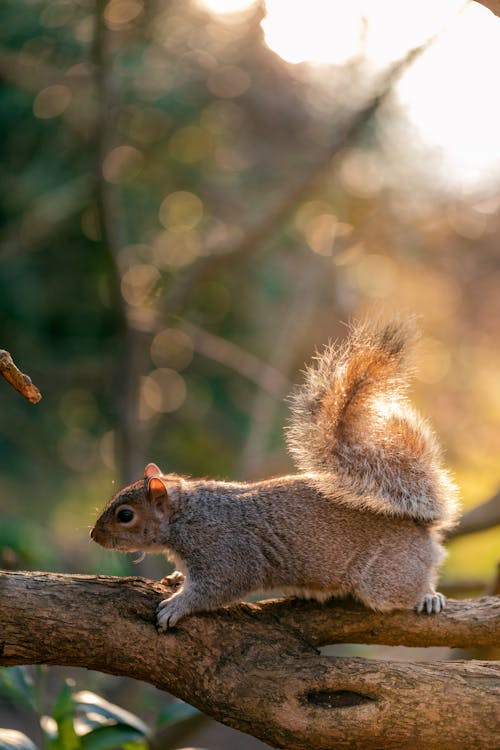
(174, 580)
(431, 604)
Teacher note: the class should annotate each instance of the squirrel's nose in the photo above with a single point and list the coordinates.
(92, 534)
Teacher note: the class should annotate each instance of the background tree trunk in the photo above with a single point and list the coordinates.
(256, 667)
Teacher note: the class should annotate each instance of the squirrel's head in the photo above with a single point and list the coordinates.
(136, 518)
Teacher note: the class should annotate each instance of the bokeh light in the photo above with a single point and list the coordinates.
(52, 101)
(119, 13)
(138, 284)
(172, 348)
(122, 163)
(162, 391)
(181, 211)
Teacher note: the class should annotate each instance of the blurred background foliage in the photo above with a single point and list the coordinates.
(187, 216)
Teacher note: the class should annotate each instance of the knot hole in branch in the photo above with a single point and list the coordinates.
(336, 698)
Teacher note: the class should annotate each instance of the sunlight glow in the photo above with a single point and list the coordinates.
(449, 94)
(319, 31)
(333, 31)
(227, 6)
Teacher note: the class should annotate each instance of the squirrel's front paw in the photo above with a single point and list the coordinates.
(431, 603)
(170, 611)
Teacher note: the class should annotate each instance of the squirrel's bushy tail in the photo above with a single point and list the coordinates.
(354, 431)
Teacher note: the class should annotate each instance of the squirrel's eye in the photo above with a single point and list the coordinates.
(125, 515)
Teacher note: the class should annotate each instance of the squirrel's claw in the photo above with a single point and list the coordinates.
(166, 616)
(431, 604)
(170, 611)
(162, 615)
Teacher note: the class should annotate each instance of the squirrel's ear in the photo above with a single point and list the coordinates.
(151, 470)
(156, 490)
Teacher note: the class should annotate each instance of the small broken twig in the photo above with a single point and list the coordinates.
(17, 379)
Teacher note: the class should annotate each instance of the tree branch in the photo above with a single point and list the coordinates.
(480, 518)
(246, 364)
(256, 666)
(17, 379)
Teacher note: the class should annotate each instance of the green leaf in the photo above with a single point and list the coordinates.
(65, 703)
(136, 745)
(11, 739)
(16, 684)
(64, 714)
(107, 738)
(90, 703)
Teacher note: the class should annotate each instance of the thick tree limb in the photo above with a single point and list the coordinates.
(257, 668)
(17, 379)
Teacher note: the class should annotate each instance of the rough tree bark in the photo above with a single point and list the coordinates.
(257, 667)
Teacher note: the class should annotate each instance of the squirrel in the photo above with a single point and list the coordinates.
(363, 518)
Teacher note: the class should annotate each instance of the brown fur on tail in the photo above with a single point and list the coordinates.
(354, 431)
